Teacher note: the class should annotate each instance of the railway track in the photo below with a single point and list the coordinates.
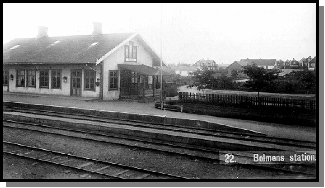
(243, 157)
(116, 171)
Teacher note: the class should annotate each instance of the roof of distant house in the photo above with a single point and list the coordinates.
(258, 62)
(206, 62)
(223, 65)
(302, 60)
(313, 60)
(183, 68)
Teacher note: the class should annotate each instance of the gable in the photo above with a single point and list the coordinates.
(235, 65)
(313, 60)
(137, 37)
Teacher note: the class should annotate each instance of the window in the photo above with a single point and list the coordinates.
(56, 79)
(130, 52)
(141, 79)
(150, 82)
(44, 78)
(5, 77)
(31, 78)
(134, 54)
(113, 80)
(134, 78)
(20, 79)
(89, 79)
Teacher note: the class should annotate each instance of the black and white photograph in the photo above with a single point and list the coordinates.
(169, 92)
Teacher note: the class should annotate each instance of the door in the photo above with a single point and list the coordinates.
(129, 83)
(76, 83)
(135, 78)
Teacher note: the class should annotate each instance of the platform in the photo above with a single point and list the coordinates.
(270, 129)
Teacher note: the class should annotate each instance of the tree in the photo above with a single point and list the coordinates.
(308, 80)
(234, 74)
(259, 78)
(225, 82)
(203, 78)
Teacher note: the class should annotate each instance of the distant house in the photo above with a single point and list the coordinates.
(301, 62)
(279, 64)
(238, 65)
(305, 62)
(211, 64)
(312, 64)
(294, 64)
(183, 70)
(287, 64)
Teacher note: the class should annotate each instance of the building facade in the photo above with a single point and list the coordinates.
(210, 64)
(104, 66)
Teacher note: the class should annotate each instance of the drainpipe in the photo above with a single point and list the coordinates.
(153, 86)
(101, 90)
(144, 85)
(161, 76)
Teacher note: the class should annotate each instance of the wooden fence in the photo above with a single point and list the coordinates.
(267, 103)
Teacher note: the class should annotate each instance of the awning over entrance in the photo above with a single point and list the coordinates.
(142, 69)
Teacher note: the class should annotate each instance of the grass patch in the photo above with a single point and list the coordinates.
(282, 117)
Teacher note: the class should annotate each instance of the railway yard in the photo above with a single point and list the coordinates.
(44, 141)
(48, 141)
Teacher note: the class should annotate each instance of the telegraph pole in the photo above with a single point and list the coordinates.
(161, 76)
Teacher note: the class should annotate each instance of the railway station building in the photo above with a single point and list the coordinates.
(104, 66)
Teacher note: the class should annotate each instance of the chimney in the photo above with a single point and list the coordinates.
(42, 32)
(97, 28)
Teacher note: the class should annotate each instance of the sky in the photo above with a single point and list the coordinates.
(186, 32)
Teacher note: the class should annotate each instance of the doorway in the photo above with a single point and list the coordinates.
(76, 76)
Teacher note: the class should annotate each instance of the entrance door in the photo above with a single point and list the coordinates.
(76, 83)
(129, 84)
(135, 78)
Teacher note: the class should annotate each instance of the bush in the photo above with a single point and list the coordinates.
(170, 89)
(291, 86)
(250, 114)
